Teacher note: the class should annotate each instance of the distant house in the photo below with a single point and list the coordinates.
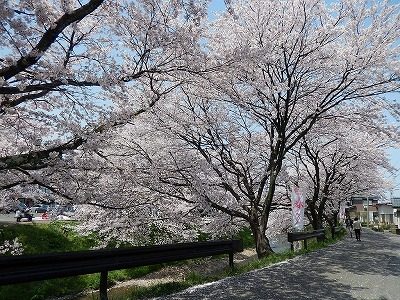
(357, 207)
(396, 202)
(385, 213)
(396, 210)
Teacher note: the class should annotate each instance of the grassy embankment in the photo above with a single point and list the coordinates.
(55, 238)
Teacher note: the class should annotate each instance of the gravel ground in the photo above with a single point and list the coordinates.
(368, 270)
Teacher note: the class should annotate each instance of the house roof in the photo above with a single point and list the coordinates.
(360, 207)
(396, 202)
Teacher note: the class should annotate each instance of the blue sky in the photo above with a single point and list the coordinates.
(217, 6)
(394, 155)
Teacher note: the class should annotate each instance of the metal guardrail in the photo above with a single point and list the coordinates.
(299, 236)
(26, 268)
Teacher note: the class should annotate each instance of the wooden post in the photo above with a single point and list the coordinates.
(103, 285)
(305, 244)
(291, 246)
(231, 259)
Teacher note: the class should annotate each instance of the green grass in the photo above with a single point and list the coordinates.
(69, 285)
(46, 238)
(246, 236)
(159, 289)
(57, 237)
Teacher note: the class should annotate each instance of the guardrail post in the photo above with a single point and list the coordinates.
(231, 259)
(103, 285)
(305, 244)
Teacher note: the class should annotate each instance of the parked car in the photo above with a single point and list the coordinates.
(24, 215)
(54, 209)
(39, 209)
(67, 210)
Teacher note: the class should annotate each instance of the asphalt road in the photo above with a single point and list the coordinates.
(7, 218)
(348, 270)
(10, 219)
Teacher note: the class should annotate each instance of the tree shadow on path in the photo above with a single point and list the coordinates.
(376, 254)
(310, 276)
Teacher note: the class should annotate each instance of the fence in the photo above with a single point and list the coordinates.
(299, 236)
(26, 268)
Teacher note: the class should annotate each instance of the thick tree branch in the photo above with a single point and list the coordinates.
(48, 38)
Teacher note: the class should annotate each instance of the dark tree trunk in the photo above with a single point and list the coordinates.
(336, 218)
(321, 208)
(315, 219)
(263, 247)
(320, 221)
(333, 222)
(331, 226)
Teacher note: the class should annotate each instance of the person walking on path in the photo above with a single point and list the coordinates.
(357, 228)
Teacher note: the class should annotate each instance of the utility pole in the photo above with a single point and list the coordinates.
(367, 212)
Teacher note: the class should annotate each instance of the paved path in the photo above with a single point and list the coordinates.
(369, 269)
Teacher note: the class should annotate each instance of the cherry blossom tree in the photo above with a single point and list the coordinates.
(336, 162)
(288, 65)
(70, 70)
(86, 121)
(11, 247)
